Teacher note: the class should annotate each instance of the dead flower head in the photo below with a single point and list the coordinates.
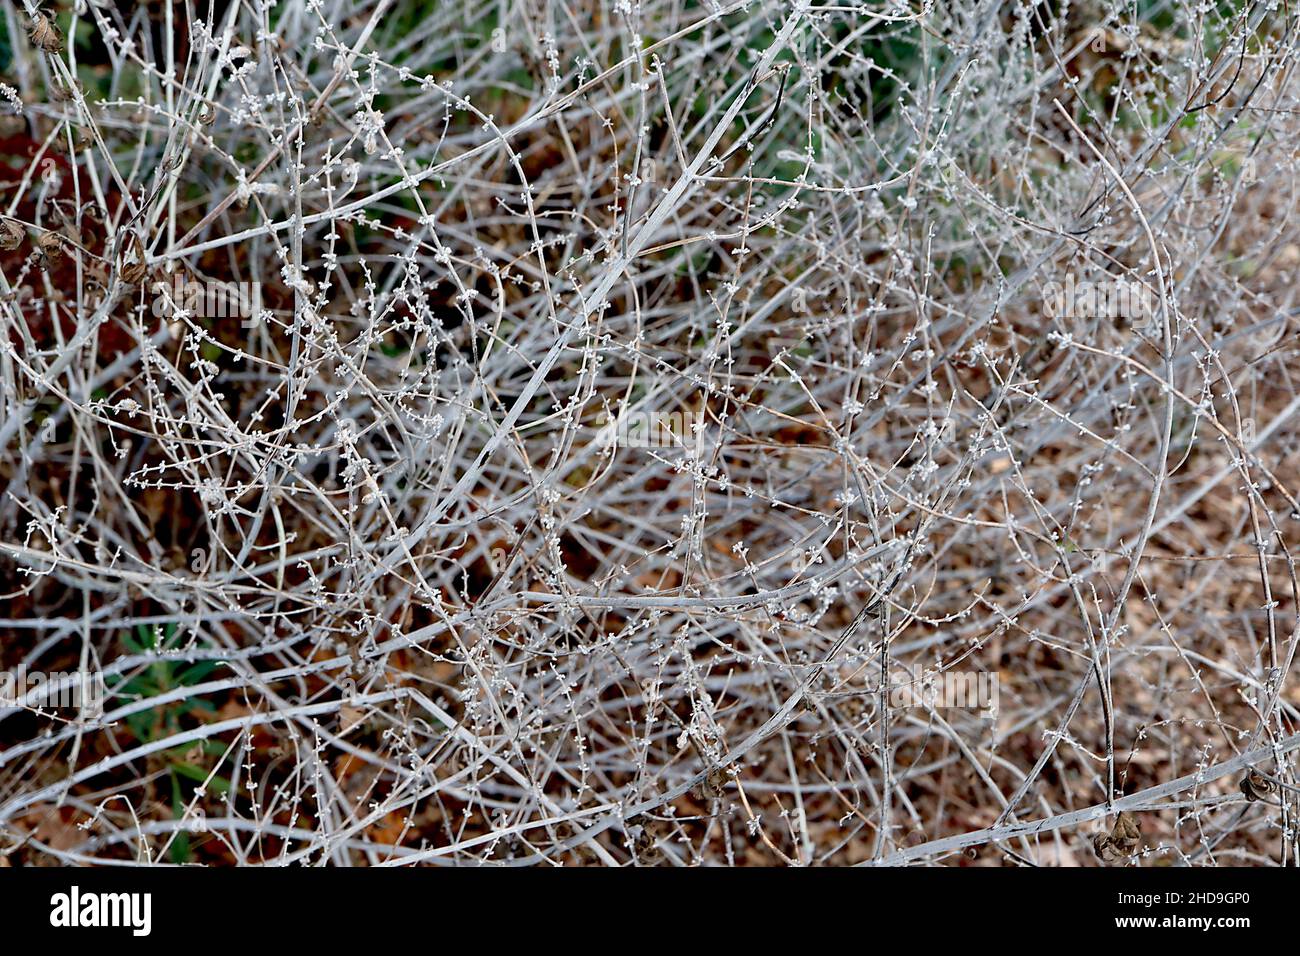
(61, 92)
(133, 265)
(1256, 786)
(52, 247)
(11, 234)
(45, 34)
(1122, 841)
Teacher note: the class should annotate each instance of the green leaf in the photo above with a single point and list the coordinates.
(180, 845)
(196, 672)
(199, 775)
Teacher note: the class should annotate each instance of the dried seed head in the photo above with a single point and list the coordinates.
(95, 286)
(712, 786)
(134, 272)
(1122, 841)
(61, 92)
(11, 234)
(52, 247)
(1127, 829)
(1256, 786)
(44, 34)
(646, 847)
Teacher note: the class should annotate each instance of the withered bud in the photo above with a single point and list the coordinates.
(44, 34)
(1127, 829)
(11, 234)
(132, 262)
(1101, 846)
(133, 273)
(60, 92)
(52, 247)
(1256, 786)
